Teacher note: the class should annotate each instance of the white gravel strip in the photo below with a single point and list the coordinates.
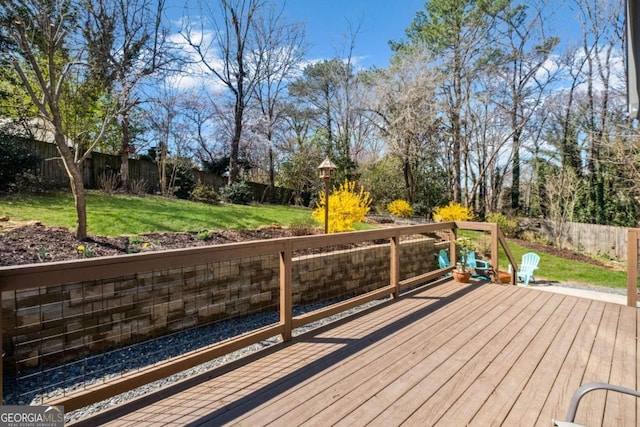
(100, 406)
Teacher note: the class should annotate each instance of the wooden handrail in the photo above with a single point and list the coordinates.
(510, 257)
(21, 277)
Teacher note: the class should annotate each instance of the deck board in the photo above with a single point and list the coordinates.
(599, 366)
(362, 371)
(446, 355)
(509, 391)
(423, 378)
(574, 362)
(528, 407)
(444, 386)
(620, 408)
(399, 362)
(511, 373)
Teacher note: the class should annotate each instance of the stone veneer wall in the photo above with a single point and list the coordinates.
(69, 321)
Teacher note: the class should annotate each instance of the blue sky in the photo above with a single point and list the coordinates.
(327, 23)
(327, 28)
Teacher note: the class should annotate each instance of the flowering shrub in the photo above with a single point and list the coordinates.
(84, 251)
(346, 207)
(453, 212)
(400, 208)
(506, 225)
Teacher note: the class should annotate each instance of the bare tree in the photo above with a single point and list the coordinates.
(281, 46)
(47, 56)
(403, 101)
(228, 51)
(127, 43)
(602, 28)
(162, 118)
(520, 60)
(562, 198)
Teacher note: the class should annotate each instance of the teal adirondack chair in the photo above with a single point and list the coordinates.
(481, 267)
(528, 265)
(443, 260)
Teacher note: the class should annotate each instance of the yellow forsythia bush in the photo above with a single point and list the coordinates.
(453, 212)
(400, 208)
(346, 207)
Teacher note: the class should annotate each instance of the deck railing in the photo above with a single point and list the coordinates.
(45, 276)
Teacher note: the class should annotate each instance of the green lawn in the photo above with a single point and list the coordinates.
(113, 215)
(554, 268)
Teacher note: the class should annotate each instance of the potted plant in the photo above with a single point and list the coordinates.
(461, 272)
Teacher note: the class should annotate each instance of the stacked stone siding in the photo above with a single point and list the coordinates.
(47, 325)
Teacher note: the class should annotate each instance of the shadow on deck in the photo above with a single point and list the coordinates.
(450, 354)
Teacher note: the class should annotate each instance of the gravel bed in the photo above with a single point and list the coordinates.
(32, 387)
(603, 289)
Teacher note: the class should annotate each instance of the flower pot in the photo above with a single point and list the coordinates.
(504, 276)
(461, 276)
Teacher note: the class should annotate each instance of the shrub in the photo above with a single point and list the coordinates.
(205, 193)
(400, 208)
(15, 160)
(138, 187)
(27, 182)
(238, 193)
(108, 181)
(506, 225)
(346, 207)
(181, 180)
(420, 209)
(303, 227)
(453, 212)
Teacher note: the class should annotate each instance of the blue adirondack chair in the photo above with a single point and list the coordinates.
(528, 265)
(481, 267)
(443, 260)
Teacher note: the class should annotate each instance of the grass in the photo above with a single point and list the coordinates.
(113, 215)
(555, 268)
(559, 269)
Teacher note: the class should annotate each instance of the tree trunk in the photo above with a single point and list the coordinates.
(124, 155)
(234, 167)
(515, 184)
(456, 128)
(74, 171)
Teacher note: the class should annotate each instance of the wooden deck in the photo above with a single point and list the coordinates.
(450, 355)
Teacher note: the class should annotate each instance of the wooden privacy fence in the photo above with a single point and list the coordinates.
(97, 164)
(590, 238)
(38, 279)
(51, 170)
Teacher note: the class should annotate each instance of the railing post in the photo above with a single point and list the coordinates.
(495, 259)
(632, 267)
(286, 291)
(452, 245)
(395, 266)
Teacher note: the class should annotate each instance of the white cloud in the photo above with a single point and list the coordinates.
(194, 74)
